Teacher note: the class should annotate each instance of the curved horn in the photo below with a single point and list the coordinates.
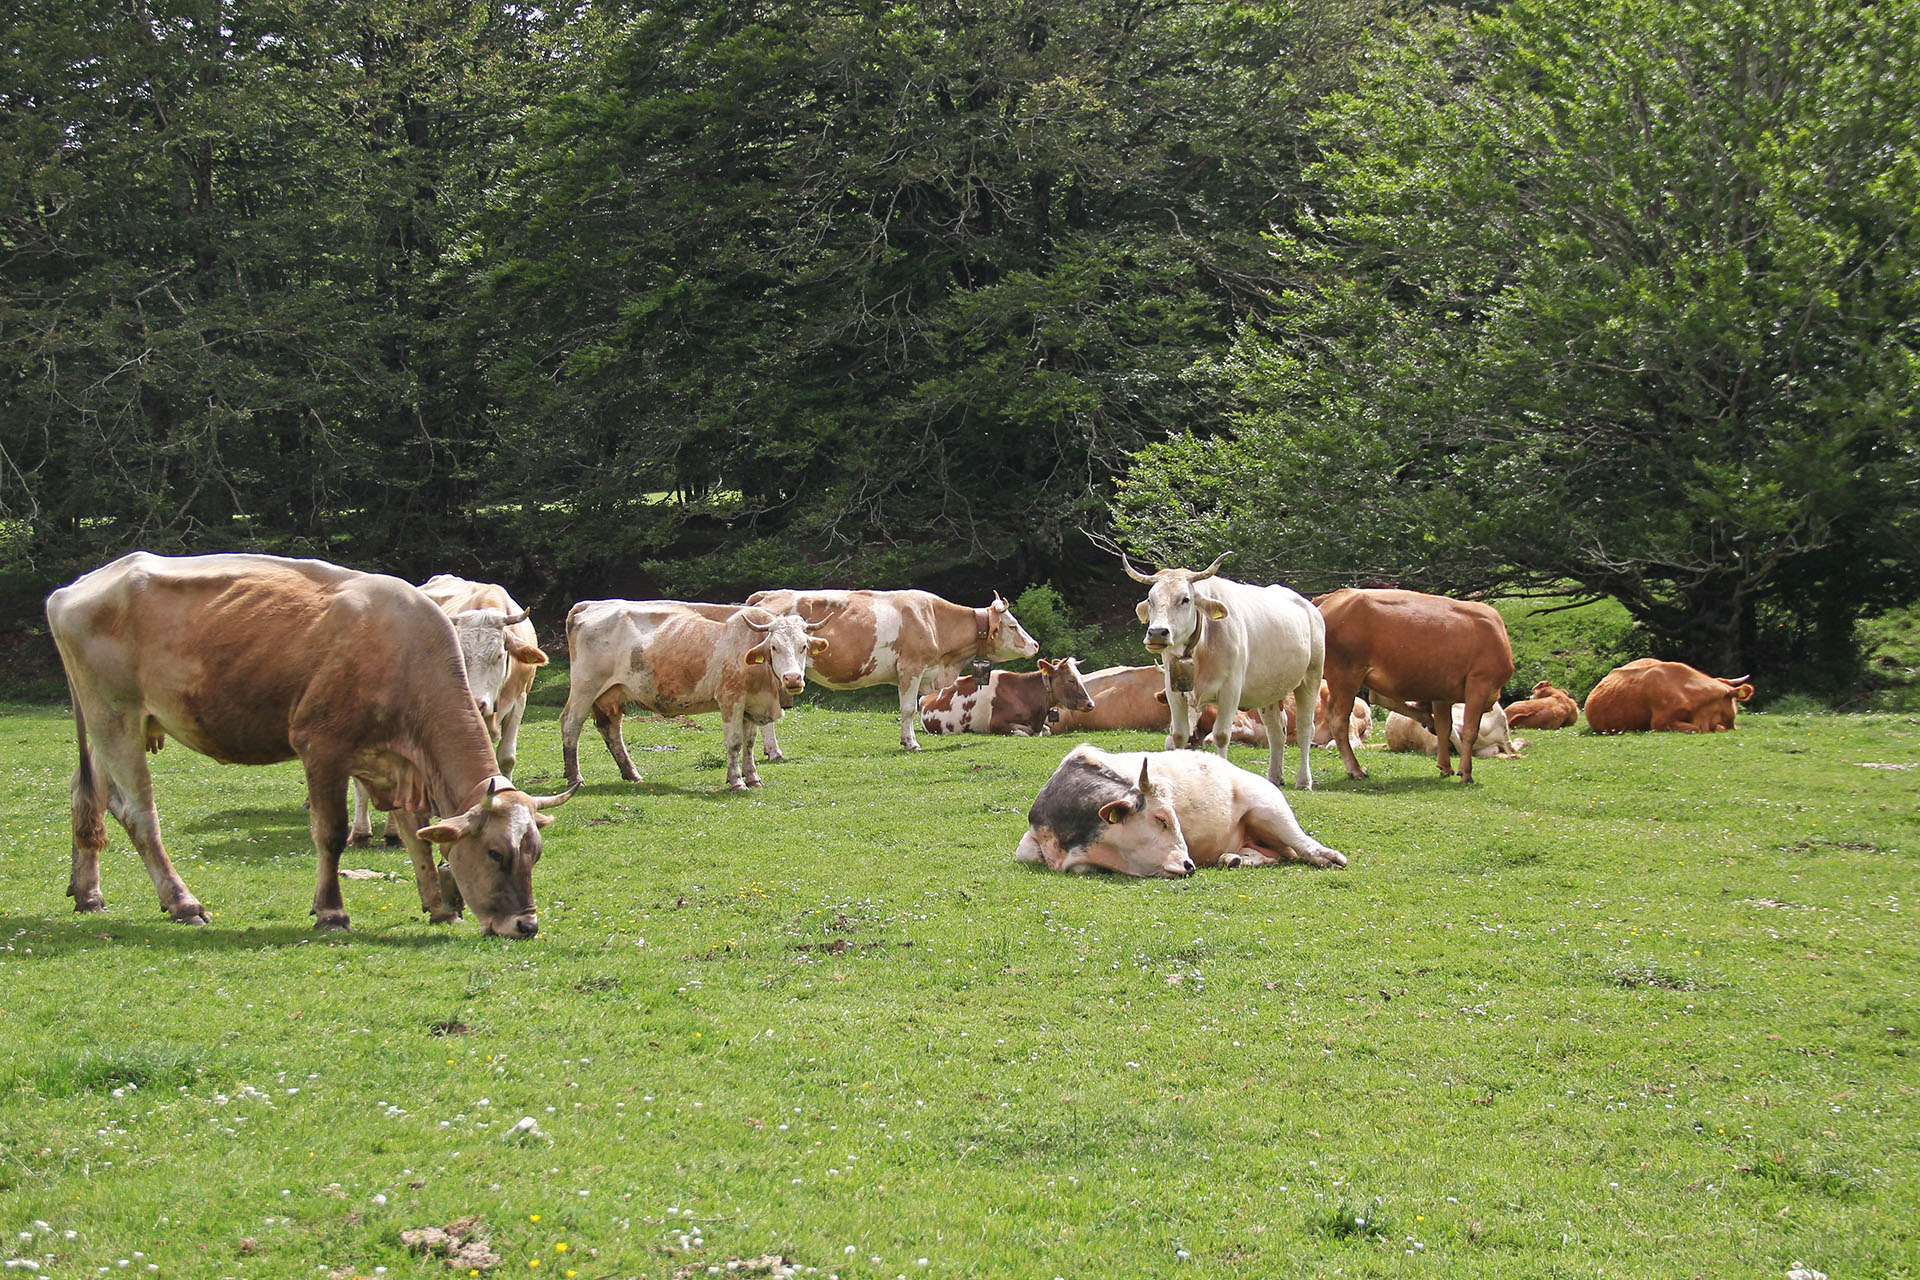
(1213, 568)
(515, 620)
(1143, 776)
(1134, 573)
(816, 625)
(553, 801)
(758, 626)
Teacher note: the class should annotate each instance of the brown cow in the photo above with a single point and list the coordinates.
(1419, 654)
(1013, 702)
(254, 659)
(1663, 696)
(1136, 698)
(902, 638)
(1548, 708)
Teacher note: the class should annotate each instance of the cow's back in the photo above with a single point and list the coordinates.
(1123, 698)
(1272, 634)
(1414, 646)
(226, 652)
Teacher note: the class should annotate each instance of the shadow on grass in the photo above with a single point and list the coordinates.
(62, 936)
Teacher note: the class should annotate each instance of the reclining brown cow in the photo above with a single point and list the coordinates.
(1548, 708)
(1651, 695)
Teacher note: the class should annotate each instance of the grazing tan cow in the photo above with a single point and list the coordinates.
(674, 661)
(1419, 654)
(902, 638)
(1162, 814)
(254, 659)
(500, 654)
(1013, 702)
(1548, 708)
(1234, 645)
(1495, 738)
(1651, 695)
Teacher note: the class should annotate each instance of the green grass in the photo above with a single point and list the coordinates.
(1638, 1006)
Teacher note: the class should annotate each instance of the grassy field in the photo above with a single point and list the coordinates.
(1627, 1007)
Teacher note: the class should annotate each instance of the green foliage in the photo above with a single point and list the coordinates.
(1050, 620)
(1610, 292)
(1657, 983)
(1569, 643)
(1892, 646)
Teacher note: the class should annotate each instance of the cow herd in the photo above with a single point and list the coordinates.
(415, 696)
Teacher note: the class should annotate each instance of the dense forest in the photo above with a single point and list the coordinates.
(1605, 297)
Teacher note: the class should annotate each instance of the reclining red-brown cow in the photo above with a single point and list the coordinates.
(1550, 707)
(254, 659)
(1419, 654)
(1651, 695)
(1012, 702)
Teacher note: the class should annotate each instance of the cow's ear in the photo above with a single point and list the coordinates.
(1046, 667)
(447, 832)
(1140, 610)
(816, 646)
(1742, 692)
(1160, 696)
(1215, 609)
(1114, 811)
(757, 654)
(524, 652)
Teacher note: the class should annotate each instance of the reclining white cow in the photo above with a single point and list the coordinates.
(1495, 738)
(1162, 814)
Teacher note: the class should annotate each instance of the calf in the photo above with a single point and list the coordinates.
(1162, 814)
(1013, 702)
(1662, 697)
(1495, 738)
(1548, 708)
(675, 662)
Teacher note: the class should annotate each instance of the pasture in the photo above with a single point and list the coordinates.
(1642, 1006)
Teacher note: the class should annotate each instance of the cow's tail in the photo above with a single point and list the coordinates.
(89, 828)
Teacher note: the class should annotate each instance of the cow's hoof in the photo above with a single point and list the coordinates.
(778, 755)
(909, 746)
(391, 840)
(445, 915)
(88, 901)
(188, 912)
(330, 922)
(631, 775)
(360, 840)
(1329, 858)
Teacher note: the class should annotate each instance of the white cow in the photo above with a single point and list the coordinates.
(1495, 738)
(1233, 645)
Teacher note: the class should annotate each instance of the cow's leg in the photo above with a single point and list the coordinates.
(361, 835)
(770, 745)
(1442, 713)
(119, 757)
(426, 878)
(1270, 828)
(1479, 698)
(327, 821)
(909, 708)
(739, 739)
(572, 717)
(88, 791)
(1180, 711)
(1227, 699)
(1340, 707)
(608, 709)
(1274, 717)
(506, 752)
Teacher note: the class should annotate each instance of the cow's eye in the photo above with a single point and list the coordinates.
(499, 856)
(1161, 818)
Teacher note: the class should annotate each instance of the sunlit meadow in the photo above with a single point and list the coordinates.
(1626, 1007)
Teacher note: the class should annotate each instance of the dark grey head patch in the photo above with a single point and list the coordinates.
(1069, 805)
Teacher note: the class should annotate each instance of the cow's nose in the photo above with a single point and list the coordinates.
(526, 926)
(1157, 635)
(794, 681)
(1186, 866)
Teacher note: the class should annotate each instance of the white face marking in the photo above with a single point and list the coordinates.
(483, 653)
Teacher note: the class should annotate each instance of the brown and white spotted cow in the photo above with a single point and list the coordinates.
(672, 660)
(254, 659)
(902, 638)
(1162, 814)
(1012, 702)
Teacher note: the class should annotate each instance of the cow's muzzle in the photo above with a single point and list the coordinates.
(524, 925)
(1158, 638)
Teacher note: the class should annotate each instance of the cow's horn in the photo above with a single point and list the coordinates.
(1143, 777)
(758, 626)
(553, 801)
(515, 620)
(1134, 573)
(1213, 568)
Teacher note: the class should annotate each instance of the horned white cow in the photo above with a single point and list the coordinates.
(902, 638)
(1234, 645)
(671, 660)
(254, 659)
(1162, 814)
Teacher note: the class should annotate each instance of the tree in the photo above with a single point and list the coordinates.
(1612, 292)
(839, 278)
